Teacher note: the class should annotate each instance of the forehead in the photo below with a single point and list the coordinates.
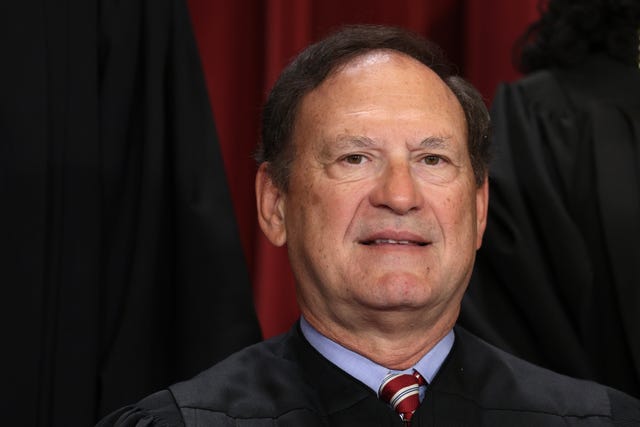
(385, 85)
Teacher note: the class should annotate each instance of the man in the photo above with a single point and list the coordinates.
(373, 172)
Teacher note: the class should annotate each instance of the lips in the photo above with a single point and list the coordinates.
(393, 237)
(393, 242)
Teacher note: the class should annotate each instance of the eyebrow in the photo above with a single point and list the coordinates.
(434, 142)
(363, 141)
(346, 142)
(358, 141)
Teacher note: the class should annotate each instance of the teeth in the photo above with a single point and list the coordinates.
(392, 242)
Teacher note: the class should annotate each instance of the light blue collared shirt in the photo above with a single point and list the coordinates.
(368, 372)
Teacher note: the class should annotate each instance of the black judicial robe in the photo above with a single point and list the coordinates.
(121, 269)
(285, 382)
(557, 280)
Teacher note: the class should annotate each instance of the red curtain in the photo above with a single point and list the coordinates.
(245, 44)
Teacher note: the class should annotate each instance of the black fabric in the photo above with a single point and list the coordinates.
(121, 267)
(285, 382)
(158, 409)
(557, 280)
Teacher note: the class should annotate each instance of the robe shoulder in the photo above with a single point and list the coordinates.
(157, 410)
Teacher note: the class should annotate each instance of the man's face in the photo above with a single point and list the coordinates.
(382, 213)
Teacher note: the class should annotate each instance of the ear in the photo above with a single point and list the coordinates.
(482, 205)
(270, 202)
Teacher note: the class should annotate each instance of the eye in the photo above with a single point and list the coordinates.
(354, 159)
(432, 160)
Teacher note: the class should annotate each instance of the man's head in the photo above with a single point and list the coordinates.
(369, 180)
(315, 63)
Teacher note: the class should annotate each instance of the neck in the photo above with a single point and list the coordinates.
(394, 340)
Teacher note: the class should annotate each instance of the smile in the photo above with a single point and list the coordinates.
(393, 242)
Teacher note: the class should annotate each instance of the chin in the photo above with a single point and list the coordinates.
(401, 290)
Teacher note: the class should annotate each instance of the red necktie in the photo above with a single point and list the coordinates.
(402, 392)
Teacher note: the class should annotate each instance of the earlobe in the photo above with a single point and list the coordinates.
(482, 206)
(270, 201)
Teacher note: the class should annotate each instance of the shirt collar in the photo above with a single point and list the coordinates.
(368, 372)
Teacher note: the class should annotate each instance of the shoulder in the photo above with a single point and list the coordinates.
(159, 410)
(255, 379)
(493, 380)
(264, 380)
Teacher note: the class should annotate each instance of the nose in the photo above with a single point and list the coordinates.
(397, 189)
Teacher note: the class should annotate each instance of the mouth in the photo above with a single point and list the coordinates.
(375, 242)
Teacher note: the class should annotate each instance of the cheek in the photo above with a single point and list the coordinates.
(316, 213)
(333, 199)
(326, 205)
(304, 197)
(456, 213)
(315, 197)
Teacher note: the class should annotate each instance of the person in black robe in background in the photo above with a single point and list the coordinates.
(557, 280)
(121, 267)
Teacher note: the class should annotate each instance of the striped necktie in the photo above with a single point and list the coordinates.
(402, 392)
